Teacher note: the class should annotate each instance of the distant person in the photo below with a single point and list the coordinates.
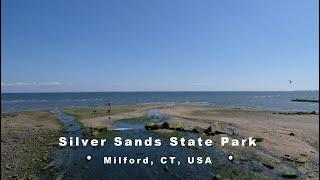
(109, 108)
(94, 110)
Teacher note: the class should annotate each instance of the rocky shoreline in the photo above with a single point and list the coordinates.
(306, 100)
(27, 143)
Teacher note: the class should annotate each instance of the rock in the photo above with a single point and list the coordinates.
(220, 132)
(278, 161)
(217, 176)
(100, 129)
(156, 126)
(148, 127)
(311, 176)
(287, 157)
(152, 126)
(49, 166)
(165, 125)
(197, 129)
(291, 134)
(289, 174)
(229, 130)
(258, 139)
(179, 129)
(210, 130)
(16, 176)
(8, 167)
(268, 165)
(303, 158)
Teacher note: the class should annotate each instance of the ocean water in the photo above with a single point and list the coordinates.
(270, 100)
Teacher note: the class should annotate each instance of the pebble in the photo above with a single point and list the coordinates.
(289, 174)
(217, 176)
(8, 167)
(268, 165)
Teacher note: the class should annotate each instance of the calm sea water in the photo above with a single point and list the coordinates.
(259, 100)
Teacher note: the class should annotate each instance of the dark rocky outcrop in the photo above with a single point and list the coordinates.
(152, 126)
(198, 130)
(297, 113)
(165, 125)
(220, 132)
(210, 131)
(306, 100)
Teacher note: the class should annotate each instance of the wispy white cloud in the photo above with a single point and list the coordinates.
(30, 84)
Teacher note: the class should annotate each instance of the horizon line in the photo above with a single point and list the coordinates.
(158, 91)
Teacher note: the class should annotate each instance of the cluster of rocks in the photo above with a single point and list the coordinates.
(301, 159)
(7, 115)
(196, 129)
(94, 131)
(297, 113)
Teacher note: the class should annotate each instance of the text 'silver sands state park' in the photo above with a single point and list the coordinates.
(159, 89)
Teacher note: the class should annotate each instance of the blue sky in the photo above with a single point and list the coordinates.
(166, 45)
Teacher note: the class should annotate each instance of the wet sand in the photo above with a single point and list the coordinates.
(288, 137)
(101, 118)
(274, 128)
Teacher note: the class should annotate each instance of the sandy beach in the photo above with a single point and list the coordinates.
(289, 136)
(259, 123)
(286, 139)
